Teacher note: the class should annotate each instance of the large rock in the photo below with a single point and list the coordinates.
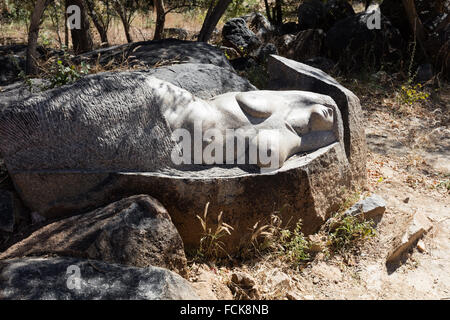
(336, 10)
(260, 25)
(237, 35)
(286, 74)
(75, 279)
(311, 14)
(172, 51)
(76, 148)
(156, 53)
(355, 46)
(136, 231)
(12, 62)
(306, 44)
(202, 80)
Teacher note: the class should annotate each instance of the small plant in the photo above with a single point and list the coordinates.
(265, 237)
(350, 231)
(61, 74)
(296, 246)
(211, 247)
(411, 94)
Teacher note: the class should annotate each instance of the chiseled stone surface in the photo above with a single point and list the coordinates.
(135, 231)
(56, 278)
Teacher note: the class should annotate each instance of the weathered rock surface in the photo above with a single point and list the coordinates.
(57, 279)
(237, 35)
(20, 90)
(170, 51)
(322, 63)
(202, 80)
(305, 187)
(161, 52)
(306, 44)
(259, 24)
(35, 140)
(136, 231)
(311, 14)
(286, 74)
(355, 46)
(416, 228)
(336, 10)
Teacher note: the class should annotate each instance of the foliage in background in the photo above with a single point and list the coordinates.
(60, 74)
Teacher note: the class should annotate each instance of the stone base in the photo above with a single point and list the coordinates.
(308, 187)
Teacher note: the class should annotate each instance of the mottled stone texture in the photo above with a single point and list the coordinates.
(48, 279)
(202, 80)
(286, 74)
(135, 231)
(308, 187)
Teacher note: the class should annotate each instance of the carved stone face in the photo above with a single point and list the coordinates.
(277, 124)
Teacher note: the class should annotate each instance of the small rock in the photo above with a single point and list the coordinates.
(243, 280)
(370, 208)
(293, 296)
(406, 200)
(421, 246)
(415, 229)
(244, 287)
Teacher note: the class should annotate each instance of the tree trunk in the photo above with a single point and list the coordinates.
(33, 34)
(102, 30)
(212, 19)
(269, 17)
(279, 11)
(81, 38)
(126, 25)
(160, 19)
(415, 24)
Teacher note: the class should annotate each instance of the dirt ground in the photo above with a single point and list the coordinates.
(409, 166)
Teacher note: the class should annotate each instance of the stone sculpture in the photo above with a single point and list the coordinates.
(131, 125)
